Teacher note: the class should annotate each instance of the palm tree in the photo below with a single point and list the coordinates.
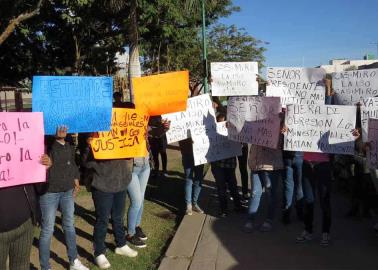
(135, 69)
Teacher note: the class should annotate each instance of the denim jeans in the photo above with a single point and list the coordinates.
(136, 190)
(225, 177)
(108, 204)
(317, 176)
(268, 180)
(293, 179)
(49, 203)
(193, 179)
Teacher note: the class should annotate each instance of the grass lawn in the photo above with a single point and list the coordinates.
(164, 200)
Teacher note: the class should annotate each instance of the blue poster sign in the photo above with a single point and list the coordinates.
(83, 104)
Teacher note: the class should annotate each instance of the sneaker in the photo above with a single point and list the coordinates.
(197, 209)
(126, 251)
(325, 239)
(189, 211)
(248, 227)
(136, 241)
(304, 237)
(266, 226)
(165, 173)
(244, 199)
(77, 265)
(223, 214)
(140, 234)
(102, 262)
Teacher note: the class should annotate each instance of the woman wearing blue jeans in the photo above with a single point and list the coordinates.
(292, 184)
(137, 188)
(266, 165)
(193, 177)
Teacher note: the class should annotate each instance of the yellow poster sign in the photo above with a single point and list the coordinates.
(163, 93)
(127, 137)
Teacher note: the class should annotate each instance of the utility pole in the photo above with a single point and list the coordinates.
(204, 49)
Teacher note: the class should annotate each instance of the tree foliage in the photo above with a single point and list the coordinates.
(83, 36)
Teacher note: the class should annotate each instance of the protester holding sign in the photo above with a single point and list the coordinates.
(224, 174)
(16, 224)
(62, 186)
(266, 165)
(137, 188)
(193, 177)
(317, 176)
(158, 145)
(293, 161)
(243, 168)
(110, 179)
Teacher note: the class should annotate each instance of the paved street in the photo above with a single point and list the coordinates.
(222, 245)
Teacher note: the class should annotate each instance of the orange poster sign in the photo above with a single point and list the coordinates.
(163, 93)
(127, 137)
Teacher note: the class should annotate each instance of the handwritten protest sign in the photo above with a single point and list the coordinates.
(213, 145)
(163, 93)
(354, 86)
(127, 137)
(369, 109)
(199, 113)
(296, 85)
(21, 146)
(372, 154)
(234, 78)
(254, 120)
(81, 103)
(320, 128)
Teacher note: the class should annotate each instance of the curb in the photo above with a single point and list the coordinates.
(180, 252)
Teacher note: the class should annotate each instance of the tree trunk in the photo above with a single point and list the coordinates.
(77, 56)
(134, 63)
(158, 58)
(16, 21)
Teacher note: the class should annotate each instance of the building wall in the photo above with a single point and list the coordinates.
(342, 65)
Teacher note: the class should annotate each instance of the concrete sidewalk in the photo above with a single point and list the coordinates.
(206, 242)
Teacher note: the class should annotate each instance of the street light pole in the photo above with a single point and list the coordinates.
(204, 49)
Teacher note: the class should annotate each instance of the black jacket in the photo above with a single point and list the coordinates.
(107, 175)
(61, 174)
(17, 205)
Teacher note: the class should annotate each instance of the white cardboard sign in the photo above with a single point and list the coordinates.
(354, 86)
(296, 85)
(234, 78)
(254, 120)
(214, 145)
(199, 113)
(320, 128)
(372, 154)
(369, 109)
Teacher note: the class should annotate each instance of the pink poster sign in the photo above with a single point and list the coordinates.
(21, 146)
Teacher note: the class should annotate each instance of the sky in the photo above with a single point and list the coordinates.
(307, 32)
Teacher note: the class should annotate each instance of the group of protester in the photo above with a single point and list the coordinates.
(111, 180)
(304, 176)
(108, 180)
